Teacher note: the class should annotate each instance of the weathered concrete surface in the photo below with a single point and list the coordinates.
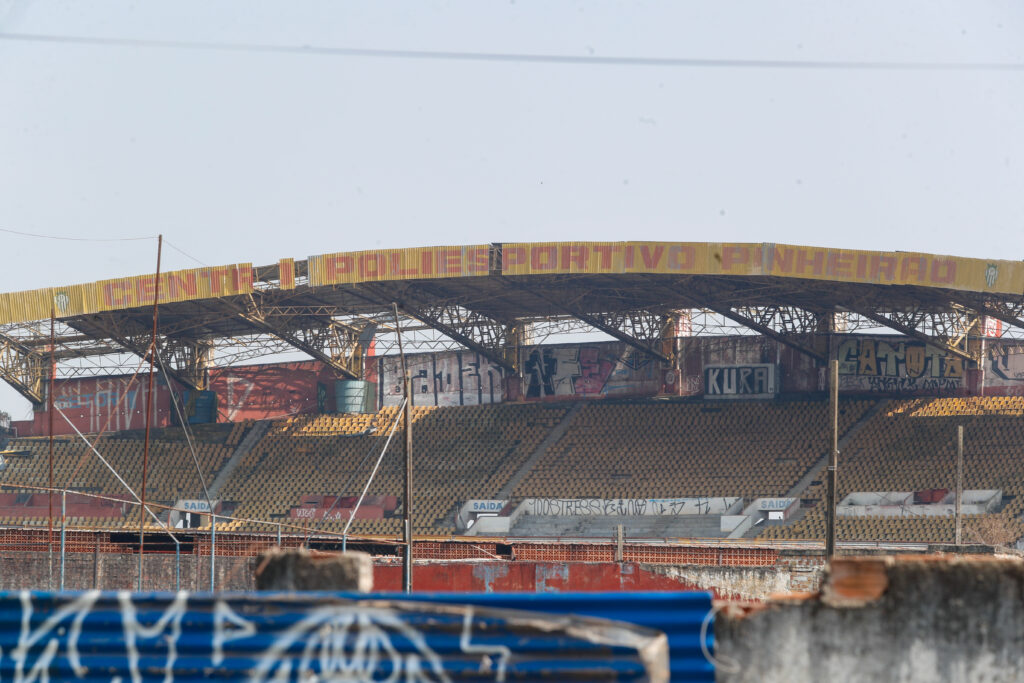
(908, 619)
(304, 570)
(739, 583)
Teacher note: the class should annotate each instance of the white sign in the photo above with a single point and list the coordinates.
(770, 504)
(486, 505)
(195, 505)
(582, 507)
(740, 381)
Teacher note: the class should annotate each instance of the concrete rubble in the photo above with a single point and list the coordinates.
(305, 570)
(933, 619)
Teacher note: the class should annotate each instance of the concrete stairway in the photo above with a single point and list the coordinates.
(815, 472)
(816, 469)
(255, 433)
(552, 438)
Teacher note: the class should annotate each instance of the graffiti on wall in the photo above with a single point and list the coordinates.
(893, 365)
(1003, 368)
(137, 637)
(94, 404)
(741, 381)
(451, 378)
(583, 507)
(589, 370)
(260, 392)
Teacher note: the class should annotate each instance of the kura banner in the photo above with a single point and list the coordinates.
(758, 380)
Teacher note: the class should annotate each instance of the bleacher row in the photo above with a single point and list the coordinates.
(657, 449)
(911, 446)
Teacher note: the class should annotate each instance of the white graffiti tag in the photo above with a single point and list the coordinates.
(64, 637)
(350, 643)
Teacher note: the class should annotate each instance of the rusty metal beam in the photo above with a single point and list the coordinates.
(605, 322)
(1009, 314)
(24, 369)
(139, 345)
(315, 351)
(767, 331)
(746, 321)
(910, 331)
(442, 318)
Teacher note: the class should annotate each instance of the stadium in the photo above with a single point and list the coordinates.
(584, 415)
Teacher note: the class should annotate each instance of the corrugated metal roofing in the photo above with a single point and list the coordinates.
(678, 615)
(338, 637)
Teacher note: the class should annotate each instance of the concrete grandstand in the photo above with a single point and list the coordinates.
(701, 414)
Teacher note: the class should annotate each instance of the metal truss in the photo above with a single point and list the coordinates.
(945, 331)
(641, 329)
(1011, 313)
(781, 323)
(337, 326)
(492, 339)
(702, 322)
(316, 333)
(185, 360)
(496, 340)
(23, 368)
(789, 325)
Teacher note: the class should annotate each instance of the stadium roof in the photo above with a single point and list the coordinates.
(329, 305)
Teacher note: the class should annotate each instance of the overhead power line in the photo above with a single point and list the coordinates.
(101, 239)
(77, 239)
(524, 58)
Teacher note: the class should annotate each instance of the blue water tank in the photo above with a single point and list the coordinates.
(200, 407)
(355, 396)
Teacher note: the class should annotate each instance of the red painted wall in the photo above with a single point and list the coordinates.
(258, 392)
(95, 404)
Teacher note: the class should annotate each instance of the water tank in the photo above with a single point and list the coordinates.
(355, 396)
(200, 407)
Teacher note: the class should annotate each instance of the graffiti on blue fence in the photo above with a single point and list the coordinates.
(144, 637)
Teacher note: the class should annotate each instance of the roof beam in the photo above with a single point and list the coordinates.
(605, 322)
(449, 322)
(265, 324)
(22, 368)
(757, 326)
(136, 345)
(766, 331)
(1007, 313)
(910, 331)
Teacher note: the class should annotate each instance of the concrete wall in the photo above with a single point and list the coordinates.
(928, 619)
(110, 571)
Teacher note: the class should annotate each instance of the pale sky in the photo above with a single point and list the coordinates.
(253, 156)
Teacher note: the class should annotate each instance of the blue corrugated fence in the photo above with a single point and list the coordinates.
(168, 637)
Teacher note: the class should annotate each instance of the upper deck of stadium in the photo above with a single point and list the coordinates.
(514, 280)
(483, 296)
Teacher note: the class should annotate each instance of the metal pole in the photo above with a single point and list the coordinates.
(830, 504)
(213, 549)
(63, 528)
(959, 483)
(407, 583)
(53, 381)
(149, 415)
(177, 565)
(407, 496)
(279, 534)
